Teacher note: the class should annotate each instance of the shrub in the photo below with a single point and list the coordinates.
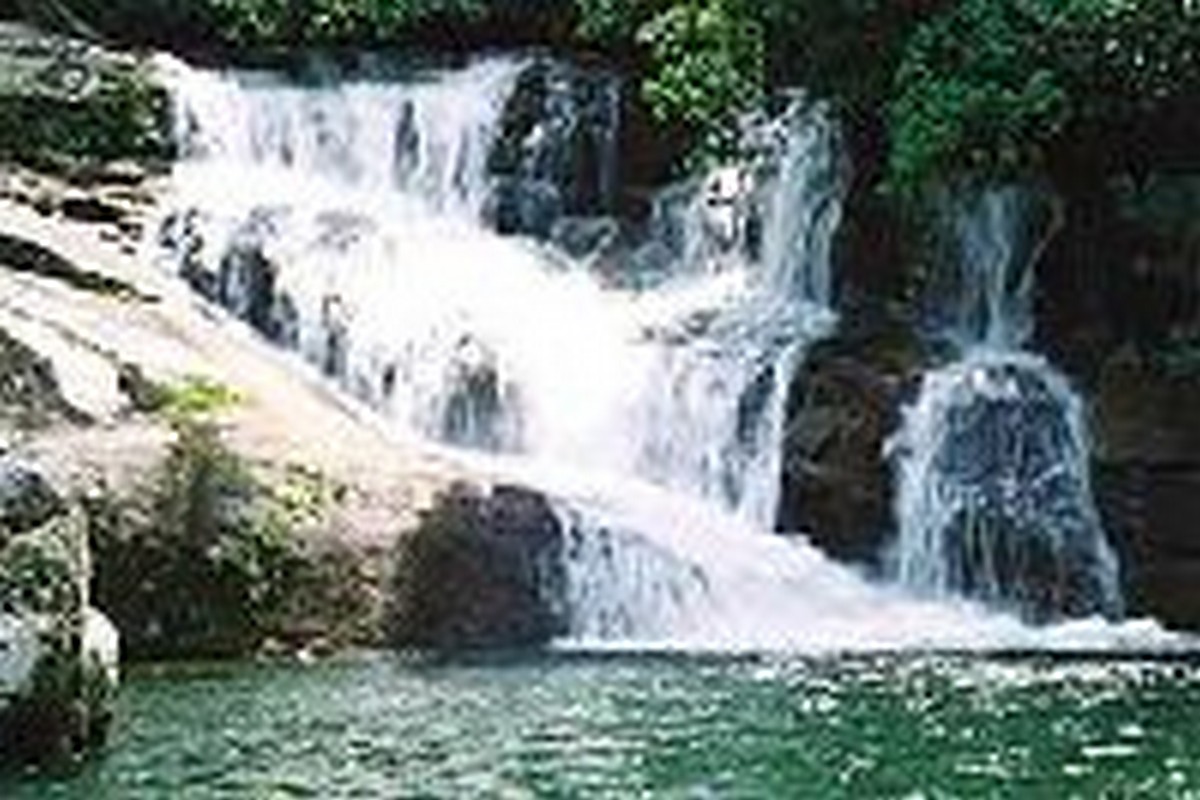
(195, 563)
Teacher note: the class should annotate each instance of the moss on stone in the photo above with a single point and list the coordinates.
(213, 557)
(66, 104)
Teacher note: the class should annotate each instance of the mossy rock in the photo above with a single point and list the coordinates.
(67, 104)
(212, 556)
(56, 698)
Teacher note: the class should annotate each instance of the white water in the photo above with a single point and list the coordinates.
(653, 418)
(994, 499)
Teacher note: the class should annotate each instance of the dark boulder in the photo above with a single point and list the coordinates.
(88, 207)
(524, 206)
(481, 570)
(24, 255)
(843, 404)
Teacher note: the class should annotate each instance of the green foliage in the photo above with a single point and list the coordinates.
(986, 90)
(983, 89)
(195, 564)
(62, 108)
(708, 62)
(253, 23)
(196, 395)
(846, 50)
(993, 89)
(614, 24)
(214, 558)
(332, 21)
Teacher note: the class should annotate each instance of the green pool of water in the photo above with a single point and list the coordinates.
(565, 727)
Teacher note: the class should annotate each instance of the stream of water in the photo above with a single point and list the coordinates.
(994, 498)
(345, 217)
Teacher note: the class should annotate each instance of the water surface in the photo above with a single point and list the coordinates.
(674, 727)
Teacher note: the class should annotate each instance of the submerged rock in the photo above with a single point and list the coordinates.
(481, 570)
(83, 206)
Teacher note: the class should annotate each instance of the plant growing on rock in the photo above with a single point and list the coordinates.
(192, 564)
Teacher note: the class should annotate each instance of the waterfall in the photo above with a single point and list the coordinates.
(994, 498)
(345, 220)
(350, 220)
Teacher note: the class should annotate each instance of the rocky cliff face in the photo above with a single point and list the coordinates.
(1120, 307)
(1147, 424)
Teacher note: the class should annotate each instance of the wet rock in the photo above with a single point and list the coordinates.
(996, 493)
(587, 237)
(247, 281)
(23, 255)
(27, 500)
(120, 172)
(244, 278)
(557, 150)
(843, 405)
(483, 569)
(477, 398)
(407, 143)
(528, 207)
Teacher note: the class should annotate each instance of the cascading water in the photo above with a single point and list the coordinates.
(344, 220)
(383, 275)
(994, 499)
